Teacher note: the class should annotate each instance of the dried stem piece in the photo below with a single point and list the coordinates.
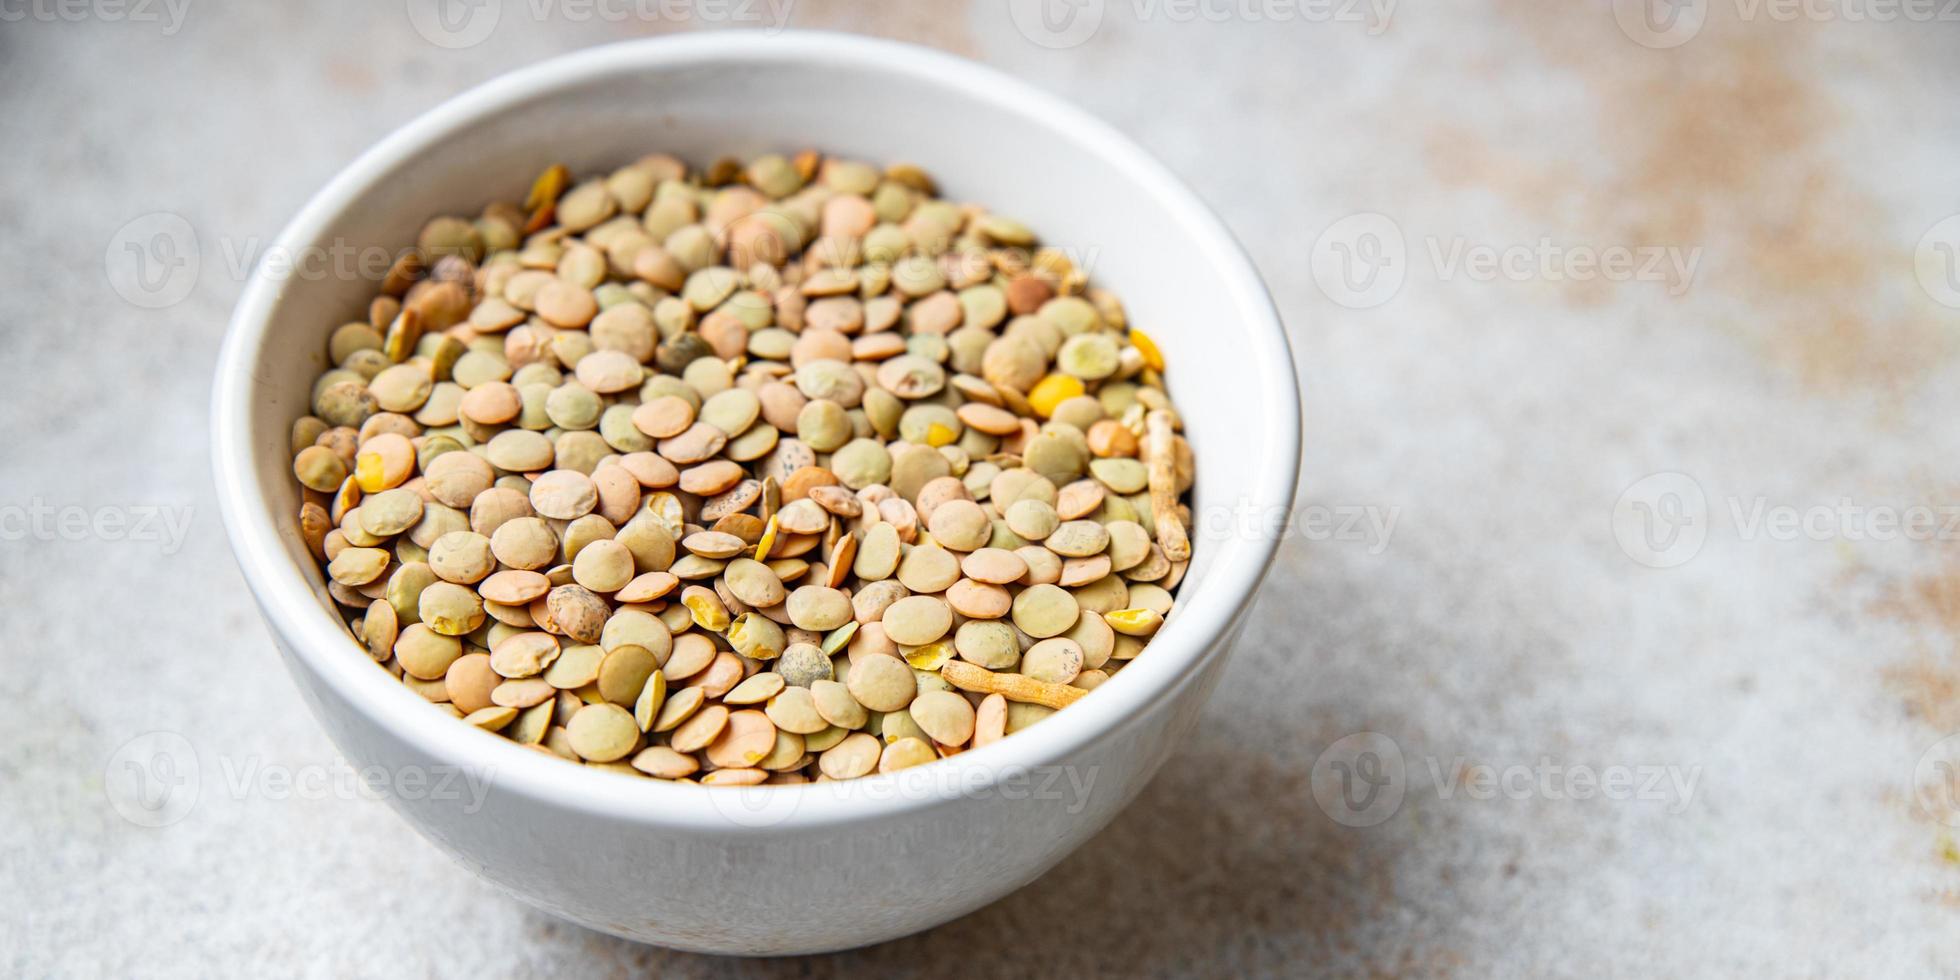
(1160, 455)
(1014, 687)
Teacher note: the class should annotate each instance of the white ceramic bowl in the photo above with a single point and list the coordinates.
(777, 869)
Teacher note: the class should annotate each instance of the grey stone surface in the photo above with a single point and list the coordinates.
(1783, 683)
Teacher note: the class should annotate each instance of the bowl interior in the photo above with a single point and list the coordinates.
(983, 137)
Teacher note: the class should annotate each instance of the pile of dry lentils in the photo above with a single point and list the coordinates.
(769, 473)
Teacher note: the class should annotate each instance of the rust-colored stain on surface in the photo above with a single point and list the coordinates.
(1928, 682)
(1726, 144)
(941, 25)
(349, 76)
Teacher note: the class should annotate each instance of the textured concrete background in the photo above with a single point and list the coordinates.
(1766, 695)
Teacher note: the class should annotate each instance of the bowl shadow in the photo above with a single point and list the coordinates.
(1181, 883)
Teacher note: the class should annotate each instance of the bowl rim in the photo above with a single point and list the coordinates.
(293, 611)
